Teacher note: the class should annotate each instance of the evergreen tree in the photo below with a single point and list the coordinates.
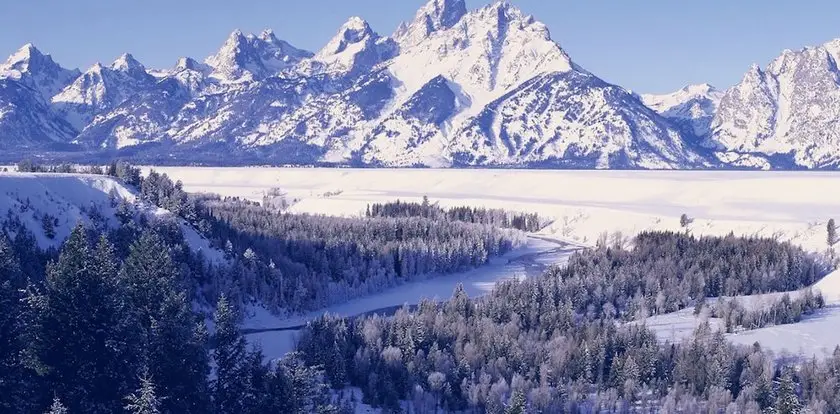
(57, 407)
(517, 404)
(787, 401)
(229, 355)
(13, 374)
(831, 230)
(144, 400)
(175, 348)
(82, 341)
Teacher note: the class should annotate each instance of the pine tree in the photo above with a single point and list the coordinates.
(144, 400)
(82, 341)
(787, 402)
(57, 407)
(517, 404)
(230, 383)
(831, 230)
(175, 355)
(13, 374)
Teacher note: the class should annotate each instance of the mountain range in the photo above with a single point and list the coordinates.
(450, 88)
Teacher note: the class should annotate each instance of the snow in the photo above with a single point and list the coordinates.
(71, 198)
(816, 335)
(792, 206)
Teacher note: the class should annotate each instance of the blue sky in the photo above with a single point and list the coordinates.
(646, 45)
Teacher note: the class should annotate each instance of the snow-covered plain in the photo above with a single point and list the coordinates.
(792, 206)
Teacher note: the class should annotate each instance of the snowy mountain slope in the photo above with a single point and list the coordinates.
(450, 87)
(791, 107)
(38, 71)
(572, 116)
(143, 117)
(27, 121)
(67, 199)
(102, 88)
(249, 57)
(690, 108)
(355, 49)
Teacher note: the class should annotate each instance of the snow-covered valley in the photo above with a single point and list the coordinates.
(585, 205)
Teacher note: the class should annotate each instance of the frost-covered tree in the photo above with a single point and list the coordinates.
(144, 400)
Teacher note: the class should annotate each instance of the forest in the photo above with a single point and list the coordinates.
(128, 319)
(108, 327)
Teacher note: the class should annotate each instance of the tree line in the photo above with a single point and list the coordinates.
(665, 272)
(528, 222)
(779, 311)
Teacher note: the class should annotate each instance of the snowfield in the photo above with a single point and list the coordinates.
(792, 206)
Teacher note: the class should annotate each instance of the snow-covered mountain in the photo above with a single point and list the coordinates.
(791, 108)
(38, 71)
(450, 87)
(691, 108)
(249, 57)
(101, 89)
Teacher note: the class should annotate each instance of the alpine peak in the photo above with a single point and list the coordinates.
(434, 16)
(127, 63)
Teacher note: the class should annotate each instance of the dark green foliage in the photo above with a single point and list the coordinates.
(529, 345)
(15, 378)
(176, 355)
(300, 262)
(229, 355)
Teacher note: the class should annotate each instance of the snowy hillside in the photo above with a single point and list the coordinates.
(64, 200)
(451, 87)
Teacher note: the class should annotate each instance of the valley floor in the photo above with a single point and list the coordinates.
(585, 205)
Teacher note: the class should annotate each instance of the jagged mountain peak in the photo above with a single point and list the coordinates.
(354, 30)
(37, 70)
(691, 108)
(127, 63)
(249, 57)
(790, 109)
(24, 55)
(187, 63)
(354, 49)
(433, 16)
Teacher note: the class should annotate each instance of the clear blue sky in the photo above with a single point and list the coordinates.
(645, 45)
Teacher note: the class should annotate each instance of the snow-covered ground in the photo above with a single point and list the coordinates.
(816, 334)
(793, 206)
(790, 205)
